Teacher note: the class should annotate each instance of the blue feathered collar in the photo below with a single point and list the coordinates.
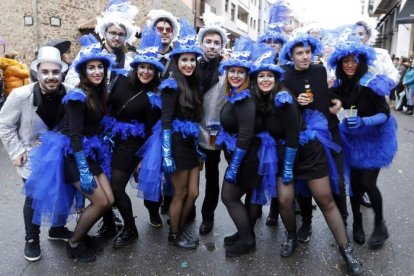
(74, 95)
(168, 83)
(379, 84)
(238, 96)
(154, 99)
(282, 98)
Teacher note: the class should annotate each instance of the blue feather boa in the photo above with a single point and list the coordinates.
(74, 95)
(187, 128)
(225, 139)
(379, 84)
(238, 96)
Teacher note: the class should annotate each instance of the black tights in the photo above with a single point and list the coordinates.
(366, 181)
(321, 192)
(101, 200)
(119, 181)
(245, 215)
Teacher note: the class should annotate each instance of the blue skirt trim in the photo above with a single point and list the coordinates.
(187, 128)
(267, 155)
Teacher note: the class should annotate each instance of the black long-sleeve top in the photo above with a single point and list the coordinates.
(171, 109)
(240, 118)
(362, 98)
(284, 122)
(208, 72)
(80, 121)
(138, 109)
(316, 77)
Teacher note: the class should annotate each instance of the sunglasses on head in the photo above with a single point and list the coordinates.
(168, 30)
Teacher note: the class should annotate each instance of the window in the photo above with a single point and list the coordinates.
(213, 10)
(226, 6)
(233, 12)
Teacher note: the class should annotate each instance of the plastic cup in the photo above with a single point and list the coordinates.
(351, 113)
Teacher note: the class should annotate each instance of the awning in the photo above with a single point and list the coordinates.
(406, 15)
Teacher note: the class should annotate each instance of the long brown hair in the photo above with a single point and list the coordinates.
(89, 89)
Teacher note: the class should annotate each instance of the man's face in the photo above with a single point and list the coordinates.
(302, 57)
(49, 75)
(166, 31)
(275, 44)
(211, 45)
(115, 37)
(362, 34)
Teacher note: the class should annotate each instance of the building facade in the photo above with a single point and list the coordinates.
(29, 24)
(395, 25)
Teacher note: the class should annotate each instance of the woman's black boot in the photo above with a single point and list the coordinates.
(230, 240)
(353, 264)
(179, 240)
(82, 253)
(125, 237)
(379, 235)
(358, 230)
(288, 247)
(240, 248)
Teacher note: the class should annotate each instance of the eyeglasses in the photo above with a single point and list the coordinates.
(168, 30)
(272, 41)
(113, 35)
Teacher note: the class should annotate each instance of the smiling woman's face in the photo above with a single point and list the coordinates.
(236, 76)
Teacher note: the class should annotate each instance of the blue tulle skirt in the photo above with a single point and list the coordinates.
(267, 155)
(53, 199)
(150, 172)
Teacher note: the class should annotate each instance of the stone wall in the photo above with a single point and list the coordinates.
(72, 13)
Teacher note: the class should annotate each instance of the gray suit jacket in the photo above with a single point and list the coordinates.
(20, 126)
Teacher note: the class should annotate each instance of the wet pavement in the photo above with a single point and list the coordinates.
(151, 254)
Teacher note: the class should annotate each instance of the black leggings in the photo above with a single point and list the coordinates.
(366, 181)
(245, 215)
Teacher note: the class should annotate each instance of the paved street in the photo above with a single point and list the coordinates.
(151, 255)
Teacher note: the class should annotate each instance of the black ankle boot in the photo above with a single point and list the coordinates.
(410, 109)
(379, 235)
(353, 264)
(230, 240)
(177, 239)
(288, 247)
(125, 237)
(240, 248)
(357, 230)
(82, 253)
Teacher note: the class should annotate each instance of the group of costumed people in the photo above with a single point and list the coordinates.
(276, 122)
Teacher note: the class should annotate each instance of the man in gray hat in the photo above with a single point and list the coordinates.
(28, 111)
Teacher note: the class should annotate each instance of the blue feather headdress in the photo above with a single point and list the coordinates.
(352, 46)
(302, 39)
(187, 40)
(241, 55)
(263, 59)
(148, 49)
(277, 20)
(91, 50)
